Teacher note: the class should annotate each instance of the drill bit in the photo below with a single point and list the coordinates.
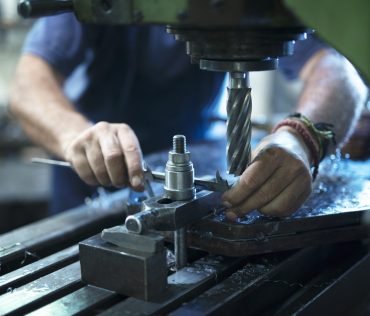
(239, 128)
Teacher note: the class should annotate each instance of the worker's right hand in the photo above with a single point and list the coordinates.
(278, 180)
(108, 155)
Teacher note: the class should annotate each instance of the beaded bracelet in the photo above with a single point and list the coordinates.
(317, 137)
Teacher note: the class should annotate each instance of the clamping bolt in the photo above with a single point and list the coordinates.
(179, 172)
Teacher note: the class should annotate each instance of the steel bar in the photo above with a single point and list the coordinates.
(181, 257)
(51, 162)
(218, 185)
(38, 269)
(35, 294)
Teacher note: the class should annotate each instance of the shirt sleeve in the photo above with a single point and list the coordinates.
(290, 66)
(59, 40)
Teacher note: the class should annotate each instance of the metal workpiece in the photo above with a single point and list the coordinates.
(239, 127)
(128, 272)
(179, 172)
(166, 215)
(181, 257)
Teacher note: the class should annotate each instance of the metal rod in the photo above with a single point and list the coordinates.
(239, 128)
(51, 162)
(220, 185)
(180, 248)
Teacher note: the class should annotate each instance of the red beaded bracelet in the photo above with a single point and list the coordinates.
(310, 140)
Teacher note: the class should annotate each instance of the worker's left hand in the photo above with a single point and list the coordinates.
(278, 180)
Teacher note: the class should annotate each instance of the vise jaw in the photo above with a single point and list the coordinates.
(129, 264)
(134, 263)
(133, 256)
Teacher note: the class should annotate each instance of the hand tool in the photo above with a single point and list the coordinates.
(217, 185)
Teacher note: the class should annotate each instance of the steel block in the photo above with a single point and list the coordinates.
(128, 272)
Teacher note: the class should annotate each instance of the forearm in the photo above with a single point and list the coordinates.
(38, 102)
(333, 93)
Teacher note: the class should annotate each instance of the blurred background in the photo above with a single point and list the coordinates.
(24, 187)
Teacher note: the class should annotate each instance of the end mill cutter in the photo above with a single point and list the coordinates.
(239, 128)
(239, 108)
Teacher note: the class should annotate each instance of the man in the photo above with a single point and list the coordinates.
(76, 84)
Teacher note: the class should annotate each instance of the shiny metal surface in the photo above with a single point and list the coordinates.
(239, 128)
(238, 66)
(181, 257)
(179, 172)
(163, 214)
(219, 184)
(65, 279)
(179, 186)
(126, 271)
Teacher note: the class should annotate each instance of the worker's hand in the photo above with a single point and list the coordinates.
(278, 180)
(107, 154)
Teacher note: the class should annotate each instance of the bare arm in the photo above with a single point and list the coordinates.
(106, 154)
(42, 109)
(278, 181)
(334, 93)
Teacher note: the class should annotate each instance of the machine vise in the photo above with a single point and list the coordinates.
(133, 255)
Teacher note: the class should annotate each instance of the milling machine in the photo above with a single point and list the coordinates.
(230, 36)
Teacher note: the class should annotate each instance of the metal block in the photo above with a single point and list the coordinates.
(128, 272)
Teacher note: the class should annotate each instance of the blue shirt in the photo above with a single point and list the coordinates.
(137, 75)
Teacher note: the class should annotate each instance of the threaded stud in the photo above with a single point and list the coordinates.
(179, 144)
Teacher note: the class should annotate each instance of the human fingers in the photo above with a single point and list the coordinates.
(253, 177)
(262, 196)
(290, 169)
(133, 156)
(113, 158)
(290, 199)
(286, 203)
(75, 155)
(96, 161)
